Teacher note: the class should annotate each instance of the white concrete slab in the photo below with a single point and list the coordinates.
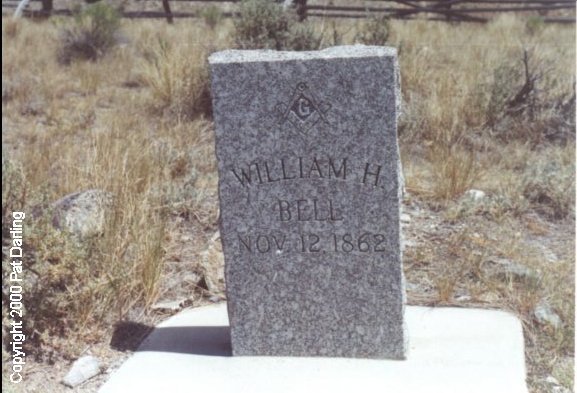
(452, 350)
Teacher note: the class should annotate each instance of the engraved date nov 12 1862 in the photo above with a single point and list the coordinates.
(277, 243)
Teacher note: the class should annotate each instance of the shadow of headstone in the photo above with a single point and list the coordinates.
(128, 335)
(194, 340)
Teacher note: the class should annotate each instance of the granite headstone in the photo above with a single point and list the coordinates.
(309, 183)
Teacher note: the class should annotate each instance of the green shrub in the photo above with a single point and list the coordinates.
(93, 32)
(506, 78)
(375, 31)
(549, 185)
(524, 103)
(534, 24)
(303, 37)
(263, 24)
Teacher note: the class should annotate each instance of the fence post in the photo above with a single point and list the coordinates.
(167, 11)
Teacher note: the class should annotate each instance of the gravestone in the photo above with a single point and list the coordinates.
(309, 183)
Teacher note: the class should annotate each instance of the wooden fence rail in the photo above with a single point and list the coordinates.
(445, 10)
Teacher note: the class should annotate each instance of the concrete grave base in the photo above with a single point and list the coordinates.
(451, 350)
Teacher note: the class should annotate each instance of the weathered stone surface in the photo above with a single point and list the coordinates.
(82, 370)
(509, 270)
(82, 213)
(474, 195)
(309, 195)
(169, 306)
(545, 315)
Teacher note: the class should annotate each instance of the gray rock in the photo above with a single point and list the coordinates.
(82, 213)
(82, 370)
(549, 255)
(409, 243)
(555, 386)
(212, 262)
(474, 195)
(168, 306)
(216, 299)
(413, 287)
(508, 269)
(550, 379)
(560, 389)
(309, 187)
(463, 298)
(544, 314)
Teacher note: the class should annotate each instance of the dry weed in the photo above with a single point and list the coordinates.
(178, 79)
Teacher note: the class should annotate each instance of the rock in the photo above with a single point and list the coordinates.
(191, 278)
(549, 255)
(186, 238)
(506, 269)
(405, 218)
(489, 297)
(212, 261)
(82, 213)
(215, 239)
(409, 243)
(556, 386)
(215, 299)
(561, 389)
(168, 306)
(82, 370)
(474, 195)
(550, 379)
(546, 316)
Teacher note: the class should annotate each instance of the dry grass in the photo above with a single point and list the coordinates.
(91, 128)
(136, 123)
(177, 76)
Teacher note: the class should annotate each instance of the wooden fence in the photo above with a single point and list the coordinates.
(445, 10)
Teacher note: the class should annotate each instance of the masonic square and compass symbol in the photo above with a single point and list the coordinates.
(304, 110)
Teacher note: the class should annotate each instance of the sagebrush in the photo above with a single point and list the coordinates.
(93, 32)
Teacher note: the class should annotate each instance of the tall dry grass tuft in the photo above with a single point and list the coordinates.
(454, 170)
(178, 79)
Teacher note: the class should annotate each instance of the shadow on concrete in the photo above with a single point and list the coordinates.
(128, 335)
(194, 340)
